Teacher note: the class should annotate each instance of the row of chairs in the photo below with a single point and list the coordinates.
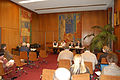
(47, 74)
(66, 64)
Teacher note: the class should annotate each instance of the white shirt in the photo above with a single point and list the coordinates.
(63, 44)
(90, 57)
(55, 45)
(65, 54)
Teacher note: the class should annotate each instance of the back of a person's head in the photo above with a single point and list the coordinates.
(62, 74)
(28, 44)
(106, 48)
(112, 58)
(79, 66)
(23, 44)
(3, 45)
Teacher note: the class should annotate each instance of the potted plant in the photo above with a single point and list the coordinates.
(105, 37)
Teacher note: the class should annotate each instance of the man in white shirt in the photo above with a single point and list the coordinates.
(65, 54)
(55, 45)
(89, 57)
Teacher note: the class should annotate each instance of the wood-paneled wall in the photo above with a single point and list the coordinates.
(117, 29)
(45, 24)
(9, 23)
(49, 23)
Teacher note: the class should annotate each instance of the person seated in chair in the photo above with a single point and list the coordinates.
(71, 45)
(78, 45)
(62, 74)
(55, 45)
(65, 54)
(112, 69)
(7, 55)
(106, 51)
(63, 44)
(89, 57)
(24, 48)
(6, 63)
(78, 67)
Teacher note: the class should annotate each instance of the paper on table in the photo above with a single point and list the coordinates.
(98, 73)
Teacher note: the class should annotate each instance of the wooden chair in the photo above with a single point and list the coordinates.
(19, 64)
(7, 73)
(23, 55)
(104, 61)
(90, 66)
(85, 76)
(43, 55)
(33, 58)
(65, 63)
(47, 74)
(109, 77)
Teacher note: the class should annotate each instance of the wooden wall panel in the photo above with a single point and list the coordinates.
(117, 28)
(90, 19)
(9, 23)
(49, 22)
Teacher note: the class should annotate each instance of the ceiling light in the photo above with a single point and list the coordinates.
(30, 1)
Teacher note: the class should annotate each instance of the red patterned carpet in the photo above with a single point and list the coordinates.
(34, 73)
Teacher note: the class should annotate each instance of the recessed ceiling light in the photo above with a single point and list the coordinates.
(30, 1)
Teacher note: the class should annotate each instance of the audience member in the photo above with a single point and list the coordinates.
(62, 74)
(106, 50)
(71, 45)
(3, 60)
(65, 54)
(55, 44)
(24, 48)
(7, 55)
(78, 66)
(112, 69)
(89, 57)
(78, 45)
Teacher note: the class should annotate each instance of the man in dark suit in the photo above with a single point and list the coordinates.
(78, 44)
(71, 45)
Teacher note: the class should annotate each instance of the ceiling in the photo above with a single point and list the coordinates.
(54, 6)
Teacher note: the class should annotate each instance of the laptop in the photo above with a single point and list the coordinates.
(102, 66)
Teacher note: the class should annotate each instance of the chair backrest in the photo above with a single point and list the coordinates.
(43, 54)
(17, 60)
(1, 69)
(47, 74)
(104, 61)
(98, 55)
(109, 77)
(23, 55)
(85, 76)
(65, 63)
(32, 56)
(89, 66)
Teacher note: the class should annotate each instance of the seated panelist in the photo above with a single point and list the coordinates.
(55, 44)
(71, 45)
(78, 45)
(63, 44)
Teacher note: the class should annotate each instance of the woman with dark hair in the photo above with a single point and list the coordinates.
(112, 69)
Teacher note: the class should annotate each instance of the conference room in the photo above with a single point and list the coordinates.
(59, 40)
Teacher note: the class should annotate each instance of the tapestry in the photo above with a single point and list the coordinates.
(25, 25)
(70, 27)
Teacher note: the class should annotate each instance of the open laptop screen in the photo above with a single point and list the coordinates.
(102, 66)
